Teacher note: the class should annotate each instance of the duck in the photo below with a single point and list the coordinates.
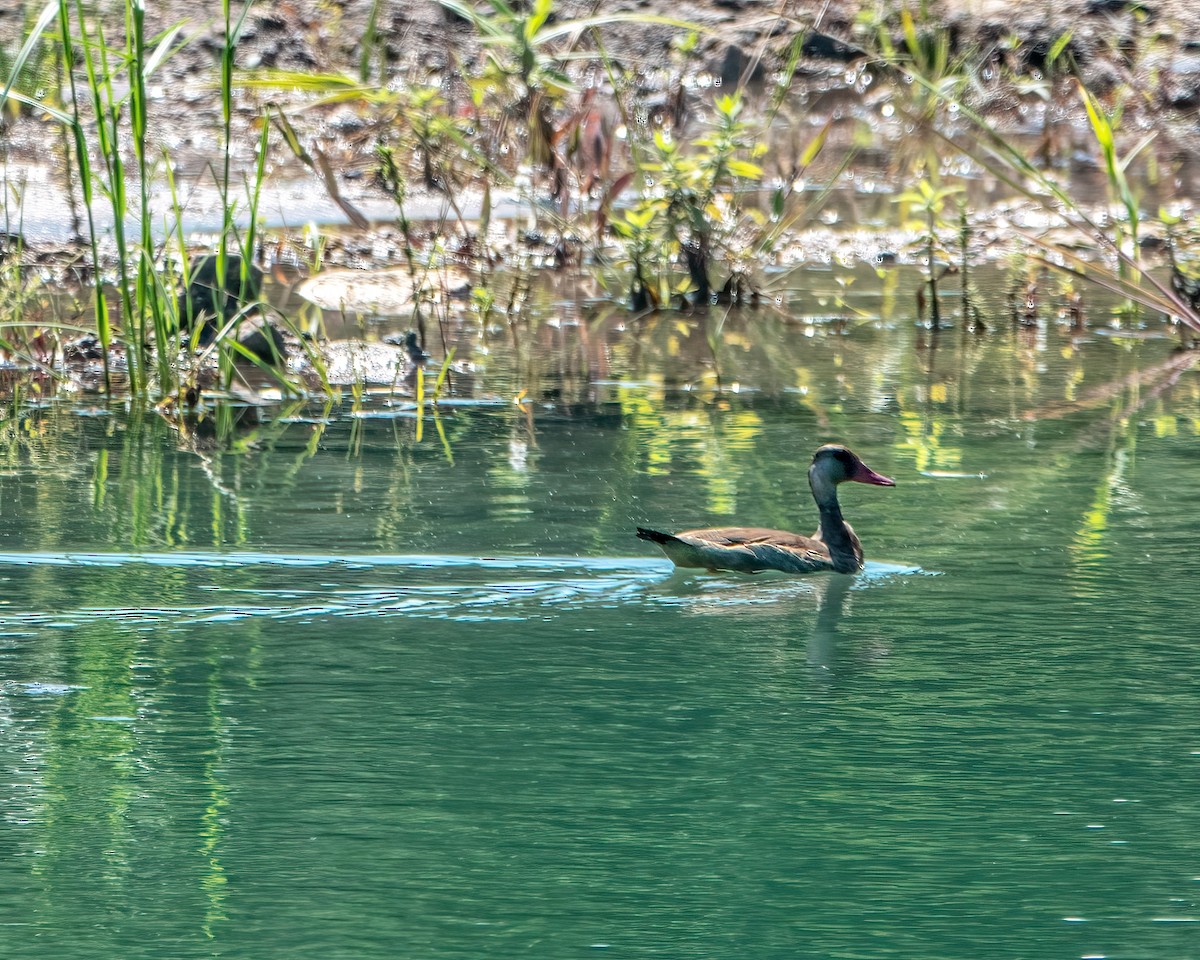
(834, 547)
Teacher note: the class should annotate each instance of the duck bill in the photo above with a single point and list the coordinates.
(865, 474)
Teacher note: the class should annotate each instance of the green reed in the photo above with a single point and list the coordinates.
(105, 120)
(989, 147)
(74, 122)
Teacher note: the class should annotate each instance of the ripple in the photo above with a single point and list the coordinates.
(444, 587)
(40, 688)
(360, 561)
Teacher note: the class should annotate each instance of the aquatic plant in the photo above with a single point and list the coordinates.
(924, 52)
(986, 145)
(532, 128)
(103, 108)
(522, 67)
(688, 210)
(412, 121)
(1104, 125)
(526, 75)
(970, 311)
(1044, 82)
(102, 63)
(929, 203)
(609, 164)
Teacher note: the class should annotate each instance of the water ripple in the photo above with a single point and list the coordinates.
(359, 561)
(459, 588)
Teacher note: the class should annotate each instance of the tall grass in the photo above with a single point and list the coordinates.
(1120, 272)
(74, 122)
(987, 144)
(535, 122)
(106, 112)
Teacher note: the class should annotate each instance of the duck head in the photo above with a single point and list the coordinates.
(833, 464)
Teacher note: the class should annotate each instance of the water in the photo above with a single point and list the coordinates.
(354, 695)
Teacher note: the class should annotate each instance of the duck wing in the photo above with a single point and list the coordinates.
(738, 536)
(751, 549)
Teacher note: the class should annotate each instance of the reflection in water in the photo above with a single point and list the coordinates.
(816, 603)
(831, 601)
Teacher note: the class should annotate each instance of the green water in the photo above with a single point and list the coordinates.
(347, 694)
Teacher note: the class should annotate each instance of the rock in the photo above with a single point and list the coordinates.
(87, 347)
(824, 46)
(734, 65)
(214, 303)
(1181, 82)
(265, 342)
(356, 361)
(1121, 6)
(411, 345)
(393, 292)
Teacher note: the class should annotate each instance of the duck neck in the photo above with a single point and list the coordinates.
(844, 549)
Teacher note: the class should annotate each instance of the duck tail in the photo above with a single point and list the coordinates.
(654, 536)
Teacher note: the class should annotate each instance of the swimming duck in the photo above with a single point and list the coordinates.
(753, 549)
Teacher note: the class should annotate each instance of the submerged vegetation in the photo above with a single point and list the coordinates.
(670, 186)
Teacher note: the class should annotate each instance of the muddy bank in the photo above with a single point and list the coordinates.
(1152, 44)
(1151, 48)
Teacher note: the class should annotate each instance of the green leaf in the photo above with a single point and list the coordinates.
(1058, 47)
(57, 114)
(623, 230)
(778, 199)
(814, 148)
(537, 19)
(1101, 127)
(1169, 219)
(729, 105)
(745, 169)
(910, 32)
(292, 138)
(1137, 149)
(49, 12)
(640, 219)
(441, 377)
(162, 50)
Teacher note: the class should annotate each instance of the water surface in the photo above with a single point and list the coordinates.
(351, 694)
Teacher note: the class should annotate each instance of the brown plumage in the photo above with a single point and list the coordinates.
(753, 549)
